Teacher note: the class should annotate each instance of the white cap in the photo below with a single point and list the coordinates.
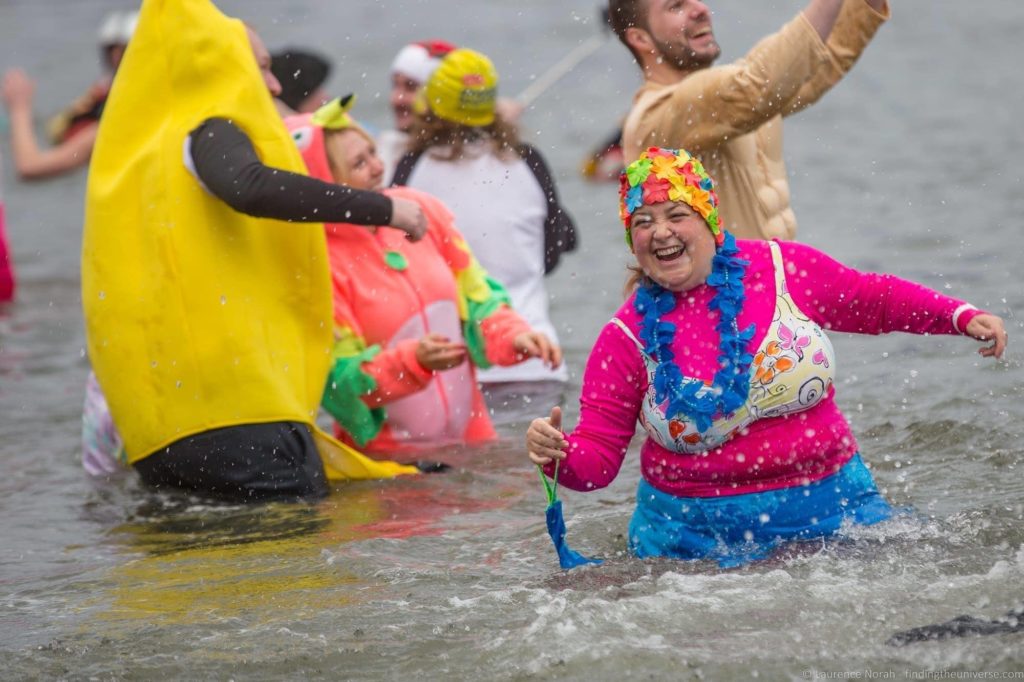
(117, 28)
(418, 60)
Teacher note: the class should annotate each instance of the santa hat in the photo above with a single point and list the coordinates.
(418, 60)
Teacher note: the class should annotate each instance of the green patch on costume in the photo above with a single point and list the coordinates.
(395, 261)
(347, 383)
(483, 295)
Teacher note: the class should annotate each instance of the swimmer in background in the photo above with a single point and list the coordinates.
(72, 132)
(604, 163)
(7, 283)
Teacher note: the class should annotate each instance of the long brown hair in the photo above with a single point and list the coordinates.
(634, 280)
(429, 131)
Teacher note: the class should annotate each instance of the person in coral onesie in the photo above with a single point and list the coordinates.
(413, 320)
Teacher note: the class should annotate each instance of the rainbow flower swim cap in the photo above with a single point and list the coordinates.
(668, 175)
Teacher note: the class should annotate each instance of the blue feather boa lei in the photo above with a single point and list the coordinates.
(731, 384)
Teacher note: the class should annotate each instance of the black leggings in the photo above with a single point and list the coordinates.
(248, 462)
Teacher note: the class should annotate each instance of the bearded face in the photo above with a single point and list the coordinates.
(684, 57)
(681, 33)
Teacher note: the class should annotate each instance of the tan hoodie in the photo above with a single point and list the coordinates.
(730, 116)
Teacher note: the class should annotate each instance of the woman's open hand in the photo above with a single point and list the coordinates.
(537, 345)
(437, 353)
(987, 327)
(545, 440)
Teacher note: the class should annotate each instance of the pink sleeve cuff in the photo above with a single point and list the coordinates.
(963, 315)
(397, 372)
(500, 330)
(407, 351)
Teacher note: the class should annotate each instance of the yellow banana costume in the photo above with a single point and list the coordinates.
(199, 317)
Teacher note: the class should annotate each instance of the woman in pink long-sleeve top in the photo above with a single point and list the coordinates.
(721, 354)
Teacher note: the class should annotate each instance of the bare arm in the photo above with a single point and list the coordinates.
(31, 162)
(822, 15)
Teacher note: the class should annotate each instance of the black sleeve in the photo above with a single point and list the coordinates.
(559, 229)
(228, 166)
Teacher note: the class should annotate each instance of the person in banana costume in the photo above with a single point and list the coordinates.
(205, 278)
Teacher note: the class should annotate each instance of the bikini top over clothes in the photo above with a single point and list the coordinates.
(770, 454)
(792, 371)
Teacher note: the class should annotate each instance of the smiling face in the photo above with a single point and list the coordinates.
(672, 244)
(680, 33)
(403, 94)
(354, 160)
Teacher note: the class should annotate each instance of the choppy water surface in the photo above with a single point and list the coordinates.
(911, 165)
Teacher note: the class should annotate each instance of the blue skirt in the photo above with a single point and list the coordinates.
(737, 529)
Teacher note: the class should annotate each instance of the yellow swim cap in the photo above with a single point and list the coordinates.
(463, 89)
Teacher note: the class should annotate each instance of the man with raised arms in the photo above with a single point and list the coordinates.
(730, 116)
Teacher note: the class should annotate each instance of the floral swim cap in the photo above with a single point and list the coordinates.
(668, 175)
